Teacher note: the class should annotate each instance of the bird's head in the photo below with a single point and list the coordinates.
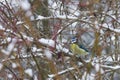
(74, 40)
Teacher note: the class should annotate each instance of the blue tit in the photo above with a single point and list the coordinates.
(76, 49)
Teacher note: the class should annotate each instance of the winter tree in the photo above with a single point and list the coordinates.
(35, 38)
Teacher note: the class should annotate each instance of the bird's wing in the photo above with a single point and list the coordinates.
(80, 50)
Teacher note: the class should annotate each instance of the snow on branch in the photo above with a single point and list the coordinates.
(51, 43)
(76, 19)
(111, 67)
(111, 29)
(51, 17)
(56, 17)
(61, 72)
(47, 42)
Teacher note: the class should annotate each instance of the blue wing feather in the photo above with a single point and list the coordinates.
(83, 47)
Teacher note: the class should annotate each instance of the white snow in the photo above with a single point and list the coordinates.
(29, 72)
(19, 22)
(74, 24)
(113, 38)
(111, 67)
(41, 17)
(25, 5)
(14, 65)
(63, 49)
(35, 77)
(61, 72)
(66, 17)
(47, 42)
(96, 25)
(9, 39)
(50, 42)
(97, 67)
(34, 49)
(10, 47)
(10, 76)
(1, 27)
(48, 53)
(111, 28)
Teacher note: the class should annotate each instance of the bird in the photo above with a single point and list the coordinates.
(76, 49)
(81, 53)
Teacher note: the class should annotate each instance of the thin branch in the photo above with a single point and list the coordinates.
(11, 72)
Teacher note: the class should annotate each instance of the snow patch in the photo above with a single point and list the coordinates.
(25, 5)
(48, 42)
(10, 76)
(29, 72)
(61, 72)
(9, 39)
(97, 67)
(14, 65)
(10, 47)
(40, 17)
(1, 27)
(19, 22)
(35, 77)
(60, 48)
(48, 53)
(111, 67)
(34, 49)
(74, 24)
(66, 17)
(113, 38)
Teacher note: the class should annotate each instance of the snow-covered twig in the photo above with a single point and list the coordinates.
(51, 43)
(47, 42)
(76, 19)
(61, 72)
(111, 67)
